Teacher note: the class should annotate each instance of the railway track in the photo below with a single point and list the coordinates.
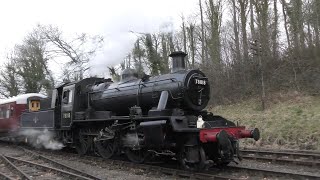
(274, 174)
(229, 172)
(305, 158)
(31, 165)
(146, 168)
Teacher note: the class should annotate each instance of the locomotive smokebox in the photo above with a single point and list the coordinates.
(178, 61)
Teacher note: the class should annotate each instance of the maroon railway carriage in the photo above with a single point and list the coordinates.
(12, 108)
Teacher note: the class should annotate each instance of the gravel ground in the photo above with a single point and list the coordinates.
(104, 171)
(281, 167)
(107, 171)
(267, 166)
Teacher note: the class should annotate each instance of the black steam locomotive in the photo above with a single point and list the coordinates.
(142, 117)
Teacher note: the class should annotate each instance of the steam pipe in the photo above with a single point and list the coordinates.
(163, 100)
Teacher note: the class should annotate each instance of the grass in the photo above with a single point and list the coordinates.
(290, 121)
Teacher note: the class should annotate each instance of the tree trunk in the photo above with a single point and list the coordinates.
(202, 34)
(215, 23)
(243, 9)
(192, 45)
(236, 32)
(252, 20)
(275, 31)
(284, 7)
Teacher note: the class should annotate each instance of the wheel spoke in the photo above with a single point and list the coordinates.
(105, 148)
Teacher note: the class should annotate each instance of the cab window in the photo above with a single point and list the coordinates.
(67, 97)
(70, 97)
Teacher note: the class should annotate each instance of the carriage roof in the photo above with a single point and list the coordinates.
(21, 99)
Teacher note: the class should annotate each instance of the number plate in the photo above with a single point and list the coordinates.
(200, 82)
(66, 115)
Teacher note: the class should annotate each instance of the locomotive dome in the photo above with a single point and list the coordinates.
(128, 74)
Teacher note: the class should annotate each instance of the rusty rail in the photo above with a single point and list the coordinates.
(289, 157)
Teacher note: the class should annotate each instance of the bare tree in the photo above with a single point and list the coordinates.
(236, 31)
(215, 17)
(262, 8)
(113, 72)
(284, 12)
(192, 47)
(275, 31)
(202, 34)
(252, 20)
(79, 49)
(243, 16)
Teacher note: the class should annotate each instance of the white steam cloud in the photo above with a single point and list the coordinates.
(41, 139)
(130, 139)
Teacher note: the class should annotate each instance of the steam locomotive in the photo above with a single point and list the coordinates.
(142, 118)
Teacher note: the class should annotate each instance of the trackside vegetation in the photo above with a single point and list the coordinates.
(291, 120)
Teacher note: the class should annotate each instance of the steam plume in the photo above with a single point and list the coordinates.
(39, 139)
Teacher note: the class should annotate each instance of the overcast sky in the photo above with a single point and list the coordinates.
(112, 19)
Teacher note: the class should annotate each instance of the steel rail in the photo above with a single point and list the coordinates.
(120, 164)
(267, 172)
(204, 175)
(295, 158)
(5, 177)
(21, 174)
(282, 150)
(36, 165)
(60, 165)
(309, 155)
(167, 171)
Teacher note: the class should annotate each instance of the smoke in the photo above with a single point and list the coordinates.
(130, 139)
(41, 139)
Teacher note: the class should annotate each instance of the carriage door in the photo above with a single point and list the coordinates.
(67, 105)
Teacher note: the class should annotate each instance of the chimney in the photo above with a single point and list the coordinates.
(178, 61)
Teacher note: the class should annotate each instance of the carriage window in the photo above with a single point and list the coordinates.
(34, 105)
(1, 113)
(8, 113)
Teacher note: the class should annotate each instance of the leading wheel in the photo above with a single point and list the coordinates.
(137, 156)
